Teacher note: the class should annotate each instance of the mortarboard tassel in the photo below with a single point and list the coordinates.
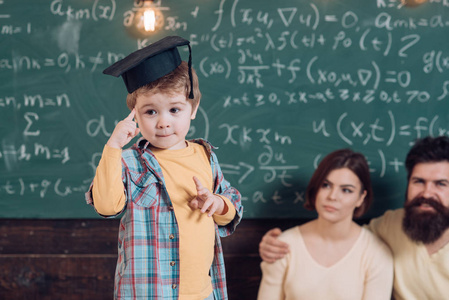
(190, 73)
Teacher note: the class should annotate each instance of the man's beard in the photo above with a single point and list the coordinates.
(427, 226)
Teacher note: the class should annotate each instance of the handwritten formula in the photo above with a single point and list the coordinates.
(283, 84)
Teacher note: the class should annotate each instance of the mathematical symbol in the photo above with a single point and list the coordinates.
(96, 60)
(396, 164)
(423, 22)
(229, 136)
(357, 131)
(391, 79)
(402, 130)
(445, 61)
(330, 18)
(258, 196)
(278, 66)
(321, 40)
(49, 62)
(234, 169)
(441, 131)
(299, 197)
(283, 176)
(376, 44)
(264, 133)
(276, 197)
(374, 127)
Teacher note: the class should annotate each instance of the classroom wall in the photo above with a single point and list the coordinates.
(283, 82)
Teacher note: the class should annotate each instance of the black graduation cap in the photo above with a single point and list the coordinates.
(151, 63)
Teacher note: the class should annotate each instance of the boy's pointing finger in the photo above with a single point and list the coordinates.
(197, 183)
(131, 115)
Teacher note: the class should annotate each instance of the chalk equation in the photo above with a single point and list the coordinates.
(41, 187)
(283, 84)
(24, 152)
(383, 130)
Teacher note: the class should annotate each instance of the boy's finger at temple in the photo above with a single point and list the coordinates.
(136, 131)
(131, 115)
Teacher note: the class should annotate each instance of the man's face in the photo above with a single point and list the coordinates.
(427, 205)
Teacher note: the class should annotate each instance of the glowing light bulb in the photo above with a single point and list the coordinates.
(144, 19)
(149, 20)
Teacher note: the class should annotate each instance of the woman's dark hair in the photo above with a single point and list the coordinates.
(427, 150)
(343, 158)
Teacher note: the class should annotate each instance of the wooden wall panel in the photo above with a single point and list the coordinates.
(71, 277)
(75, 259)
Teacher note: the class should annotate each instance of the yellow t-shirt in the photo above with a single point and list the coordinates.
(196, 230)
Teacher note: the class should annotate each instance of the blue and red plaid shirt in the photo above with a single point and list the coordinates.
(148, 242)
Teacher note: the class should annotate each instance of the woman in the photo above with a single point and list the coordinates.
(332, 257)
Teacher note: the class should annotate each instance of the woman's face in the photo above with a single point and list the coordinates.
(339, 195)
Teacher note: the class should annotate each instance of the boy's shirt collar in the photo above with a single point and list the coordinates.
(143, 144)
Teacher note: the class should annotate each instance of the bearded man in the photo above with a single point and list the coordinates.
(417, 234)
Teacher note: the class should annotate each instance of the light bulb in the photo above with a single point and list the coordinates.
(148, 18)
(144, 19)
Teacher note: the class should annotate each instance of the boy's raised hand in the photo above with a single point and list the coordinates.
(124, 131)
(206, 201)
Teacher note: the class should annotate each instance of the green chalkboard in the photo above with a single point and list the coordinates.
(283, 82)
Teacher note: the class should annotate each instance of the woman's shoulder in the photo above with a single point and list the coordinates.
(290, 235)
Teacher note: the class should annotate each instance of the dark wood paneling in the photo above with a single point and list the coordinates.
(57, 276)
(75, 259)
(58, 236)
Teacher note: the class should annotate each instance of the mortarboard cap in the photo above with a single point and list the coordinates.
(151, 63)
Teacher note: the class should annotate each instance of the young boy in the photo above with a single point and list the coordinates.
(175, 202)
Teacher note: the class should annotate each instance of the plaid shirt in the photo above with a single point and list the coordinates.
(148, 243)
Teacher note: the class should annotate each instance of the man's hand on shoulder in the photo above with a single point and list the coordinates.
(271, 248)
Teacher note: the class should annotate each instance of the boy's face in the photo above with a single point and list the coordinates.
(164, 120)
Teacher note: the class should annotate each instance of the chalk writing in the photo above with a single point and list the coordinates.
(35, 101)
(37, 150)
(282, 85)
(97, 11)
(40, 187)
(64, 61)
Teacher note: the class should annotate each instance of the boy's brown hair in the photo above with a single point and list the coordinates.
(177, 81)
